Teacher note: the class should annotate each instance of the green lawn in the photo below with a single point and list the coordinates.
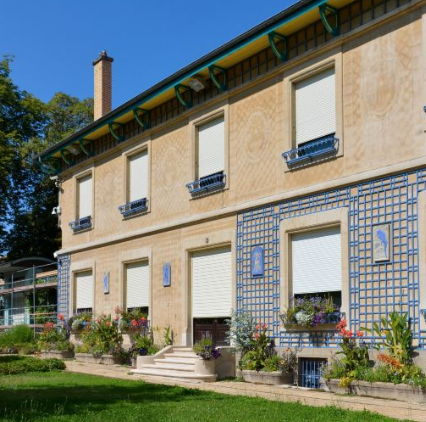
(67, 397)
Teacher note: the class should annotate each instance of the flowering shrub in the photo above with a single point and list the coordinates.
(310, 311)
(206, 350)
(103, 338)
(241, 330)
(55, 337)
(143, 345)
(287, 362)
(261, 350)
(80, 321)
(131, 320)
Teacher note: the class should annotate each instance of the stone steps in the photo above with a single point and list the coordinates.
(172, 366)
(169, 373)
(178, 363)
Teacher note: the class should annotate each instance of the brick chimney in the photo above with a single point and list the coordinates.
(103, 84)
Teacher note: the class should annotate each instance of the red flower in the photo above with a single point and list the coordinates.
(108, 323)
(134, 323)
(342, 324)
(359, 333)
(61, 317)
(258, 327)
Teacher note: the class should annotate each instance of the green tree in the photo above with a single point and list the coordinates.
(27, 127)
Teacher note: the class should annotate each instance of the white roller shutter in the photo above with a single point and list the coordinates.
(84, 290)
(138, 176)
(85, 191)
(211, 147)
(137, 292)
(211, 283)
(317, 261)
(315, 100)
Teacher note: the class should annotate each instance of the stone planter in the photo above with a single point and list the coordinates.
(384, 390)
(271, 378)
(205, 367)
(104, 360)
(59, 354)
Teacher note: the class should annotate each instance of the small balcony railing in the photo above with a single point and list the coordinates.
(207, 184)
(81, 224)
(308, 152)
(134, 207)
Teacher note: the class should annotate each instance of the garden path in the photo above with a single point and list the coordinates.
(392, 408)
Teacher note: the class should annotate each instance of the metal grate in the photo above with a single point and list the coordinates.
(310, 372)
(375, 289)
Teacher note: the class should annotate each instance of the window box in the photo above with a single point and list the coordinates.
(81, 224)
(207, 184)
(134, 207)
(327, 322)
(311, 312)
(311, 151)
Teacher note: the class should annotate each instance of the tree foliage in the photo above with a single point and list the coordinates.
(27, 127)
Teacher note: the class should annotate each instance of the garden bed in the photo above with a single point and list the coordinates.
(59, 354)
(103, 360)
(383, 390)
(270, 378)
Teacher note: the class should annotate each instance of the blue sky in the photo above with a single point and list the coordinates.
(55, 41)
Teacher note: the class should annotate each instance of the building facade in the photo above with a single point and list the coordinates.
(288, 162)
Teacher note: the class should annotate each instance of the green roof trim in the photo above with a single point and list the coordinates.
(175, 80)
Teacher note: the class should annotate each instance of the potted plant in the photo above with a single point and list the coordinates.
(102, 343)
(261, 363)
(208, 354)
(311, 312)
(143, 346)
(54, 340)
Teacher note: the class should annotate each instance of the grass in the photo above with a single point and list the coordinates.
(68, 397)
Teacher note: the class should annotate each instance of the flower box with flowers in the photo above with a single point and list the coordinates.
(394, 375)
(261, 364)
(54, 340)
(309, 313)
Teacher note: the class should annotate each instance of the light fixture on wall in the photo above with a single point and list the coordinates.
(197, 83)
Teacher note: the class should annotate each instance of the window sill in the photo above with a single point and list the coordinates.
(207, 185)
(81, 225)
(134, 208)
(312, 152)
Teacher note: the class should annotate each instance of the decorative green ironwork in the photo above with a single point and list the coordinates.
(143, 117)
(179, 90)
(222, 86)
(64, 157)
(273, 38)
(83, 148)
(113, 126)
(333, 29)
(48, 169)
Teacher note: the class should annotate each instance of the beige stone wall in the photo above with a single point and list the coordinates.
(380, 87)
(379, 78)
(169, 305)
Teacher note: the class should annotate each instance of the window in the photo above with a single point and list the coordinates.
(84, 287)
(137, 286)
(138, 176)
(211, 283)
(85, 197)
(315, 121)
(317, 263)
(315, 107)
(210, 157)
(137, 184)
(84, 204)
(211, 148)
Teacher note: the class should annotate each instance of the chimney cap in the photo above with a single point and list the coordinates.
(103, 56)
